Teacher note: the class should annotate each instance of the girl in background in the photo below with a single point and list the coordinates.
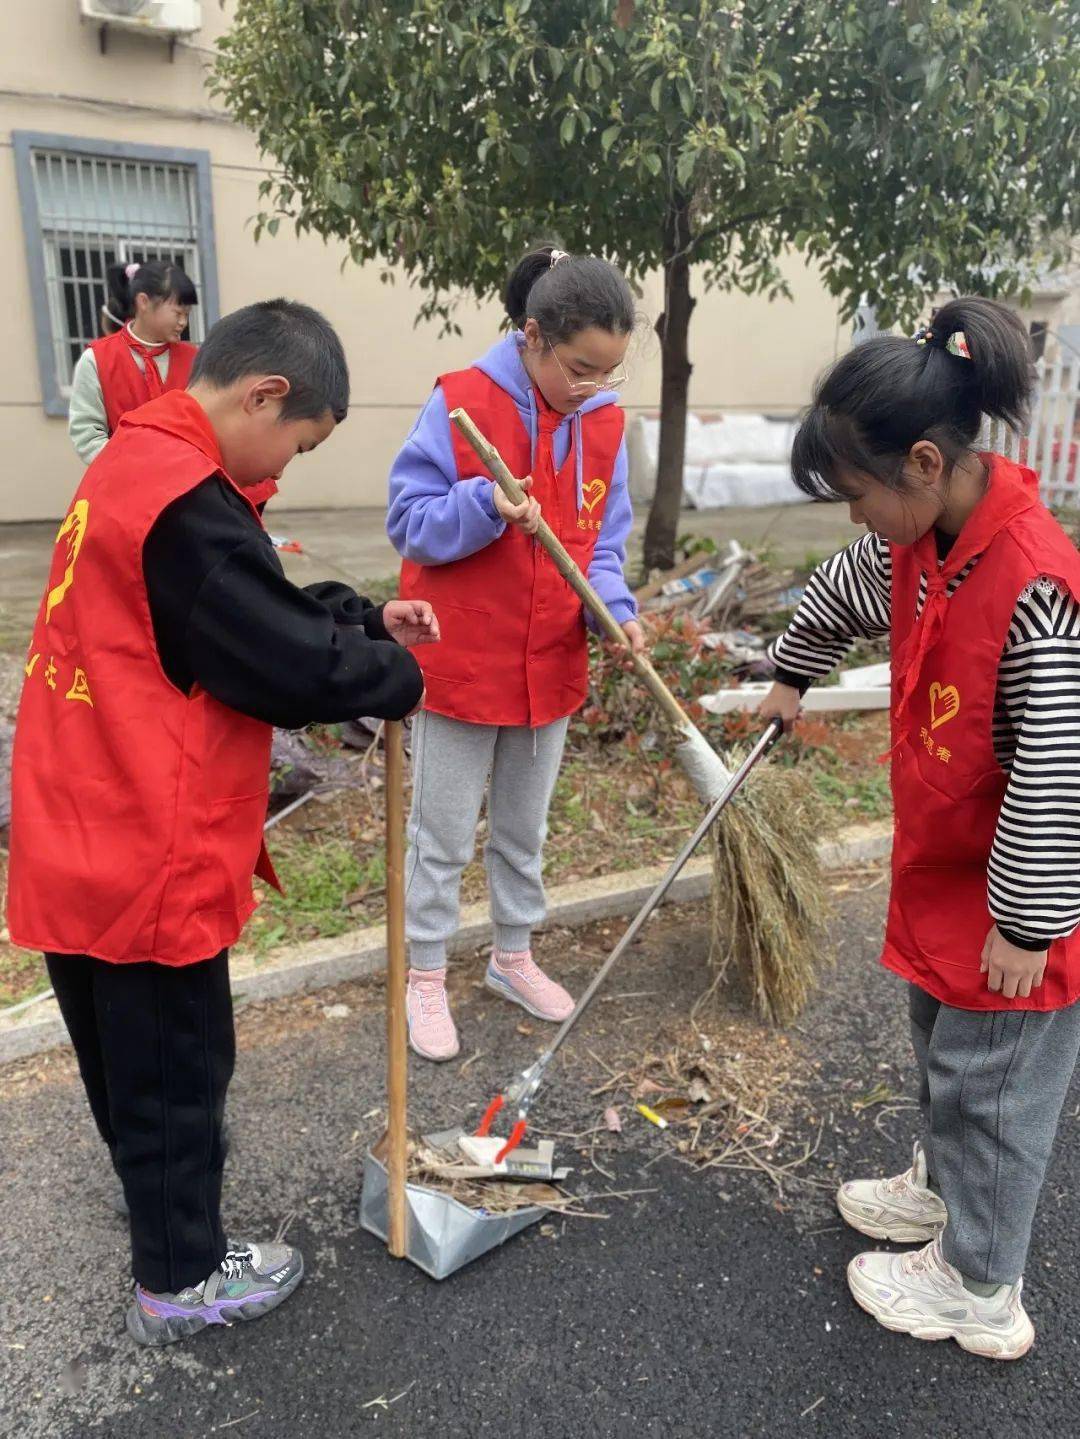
(140, 356)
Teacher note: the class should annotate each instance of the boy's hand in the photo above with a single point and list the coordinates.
(1015, 972)
(410, 622)
(782, 701)
(526, 515)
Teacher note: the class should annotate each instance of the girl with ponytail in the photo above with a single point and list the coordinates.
(141, 354)
(511, 666)
(977, 586)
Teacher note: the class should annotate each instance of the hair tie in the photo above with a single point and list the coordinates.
(556, 256)
(956, 343)
(130, 271)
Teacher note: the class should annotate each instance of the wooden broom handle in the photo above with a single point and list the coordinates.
(396, 1023)
(495, 463)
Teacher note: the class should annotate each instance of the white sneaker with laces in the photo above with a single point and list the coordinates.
(922, 1294)
(902, 1209)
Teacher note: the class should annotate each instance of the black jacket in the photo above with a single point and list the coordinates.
(226, 618)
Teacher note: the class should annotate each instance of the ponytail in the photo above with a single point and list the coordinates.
(882, 397)
(567, 293)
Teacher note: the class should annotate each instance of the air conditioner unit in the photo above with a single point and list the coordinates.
(153, 17)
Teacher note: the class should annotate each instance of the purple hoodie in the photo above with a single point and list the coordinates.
(435, 518)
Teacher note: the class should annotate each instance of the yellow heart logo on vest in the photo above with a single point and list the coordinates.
(592, 494)
(944, 704)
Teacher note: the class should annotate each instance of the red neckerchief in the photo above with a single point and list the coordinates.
(154, 385)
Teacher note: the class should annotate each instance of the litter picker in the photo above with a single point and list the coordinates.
(521, 1093)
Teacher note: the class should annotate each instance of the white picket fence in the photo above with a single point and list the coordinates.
(1051, 445)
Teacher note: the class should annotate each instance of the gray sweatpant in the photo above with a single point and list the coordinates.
(453, 764)
(992, 1084)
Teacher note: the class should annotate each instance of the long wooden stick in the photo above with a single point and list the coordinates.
(396, 1023)
(673, 710)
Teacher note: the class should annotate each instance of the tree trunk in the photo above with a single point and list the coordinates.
(673, 328)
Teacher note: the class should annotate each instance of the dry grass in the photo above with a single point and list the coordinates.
(769, 896)
(733, 1096)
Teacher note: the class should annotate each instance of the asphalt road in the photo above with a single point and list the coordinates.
(704, 1307)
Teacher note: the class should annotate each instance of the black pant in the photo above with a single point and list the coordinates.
(156, 1047)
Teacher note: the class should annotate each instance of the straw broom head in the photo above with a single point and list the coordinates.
(769, 906)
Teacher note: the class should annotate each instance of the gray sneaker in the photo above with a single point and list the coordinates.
(251, 1280)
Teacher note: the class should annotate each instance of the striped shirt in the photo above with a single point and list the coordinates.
(1034, 870)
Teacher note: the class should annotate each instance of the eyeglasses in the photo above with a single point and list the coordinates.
(611, 381)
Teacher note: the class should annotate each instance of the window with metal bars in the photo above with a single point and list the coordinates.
(91, 204)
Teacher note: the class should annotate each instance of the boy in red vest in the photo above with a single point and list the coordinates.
(511, 666)
(168, 644)
(979, 588)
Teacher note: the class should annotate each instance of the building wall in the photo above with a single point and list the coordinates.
(748, 353)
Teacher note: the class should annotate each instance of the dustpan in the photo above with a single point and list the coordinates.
(437, 1232)
(442, 1235)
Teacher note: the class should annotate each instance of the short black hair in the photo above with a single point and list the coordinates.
(280, 337)
(576, 293)
(888, 393)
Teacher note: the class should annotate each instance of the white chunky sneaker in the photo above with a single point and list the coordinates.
(920, 1293)
(901, 1209)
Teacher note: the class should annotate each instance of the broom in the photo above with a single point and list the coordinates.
(768, 903)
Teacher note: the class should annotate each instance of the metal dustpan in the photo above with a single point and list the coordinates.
(437, 1232)
(442, 1235)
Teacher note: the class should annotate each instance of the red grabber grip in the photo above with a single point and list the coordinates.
(517, 1134)
(489, 1114)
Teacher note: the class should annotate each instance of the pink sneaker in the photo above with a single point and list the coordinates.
(517, 977)
(432, 1032)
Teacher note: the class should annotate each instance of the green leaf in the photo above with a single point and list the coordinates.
(684, 168)
(608, 138)
(566, 129)
(556, 61)
(653, 163)
(654, 93)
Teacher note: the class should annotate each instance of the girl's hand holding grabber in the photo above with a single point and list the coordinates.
(783, 702)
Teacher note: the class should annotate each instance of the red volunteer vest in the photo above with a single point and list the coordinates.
(513, 648)
(947, 784)
(137, 811)
(124, 386)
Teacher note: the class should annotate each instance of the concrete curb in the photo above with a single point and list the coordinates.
(321, 964)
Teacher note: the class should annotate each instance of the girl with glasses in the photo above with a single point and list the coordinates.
(511, 666)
